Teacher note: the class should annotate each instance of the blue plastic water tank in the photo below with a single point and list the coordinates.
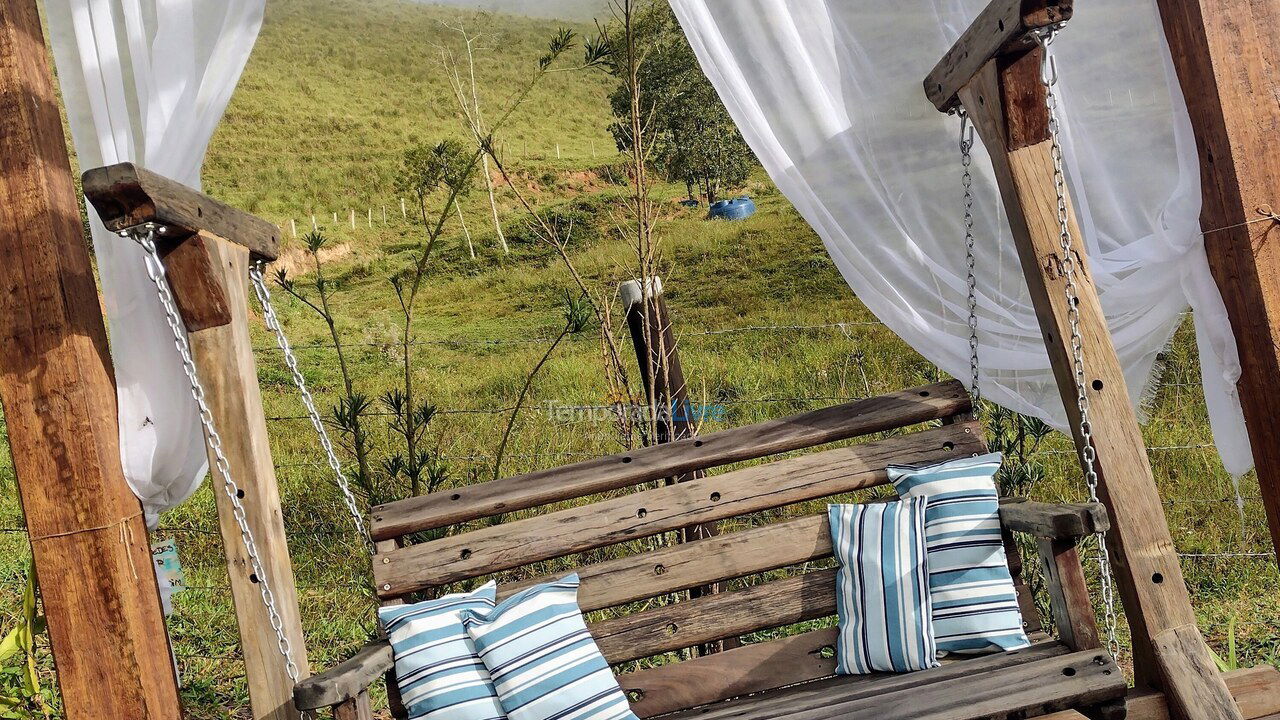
(739, 208)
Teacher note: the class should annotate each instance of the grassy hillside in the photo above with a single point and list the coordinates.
(766, 326)
(336, 89)
(560, 9)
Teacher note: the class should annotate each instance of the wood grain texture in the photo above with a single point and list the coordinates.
(1149, 576)
(1069, 601)
(126, 195)
(1186, 669)
(1001, 28)
(1227, 56)
(715, 617)
(521, 542)
(196, 284)
(346, 681)
(357, 708)
(225, 362)
(1054, 521)
(1014, 691)
(841, 422)
(1256, 691)
(797, 664)
(57, 386)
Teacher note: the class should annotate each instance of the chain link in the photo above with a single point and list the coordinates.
(966, 159)
(313, 414)
(145, 236)
(1088, 455)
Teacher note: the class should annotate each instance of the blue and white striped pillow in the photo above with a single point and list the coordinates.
(882, 588)
(975, 606)
(543, 660)
(437, 669)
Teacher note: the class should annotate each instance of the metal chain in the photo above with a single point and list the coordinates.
(145, 236)
(1088, 455)
(966, 159)
(291, 361)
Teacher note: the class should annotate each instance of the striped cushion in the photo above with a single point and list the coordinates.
(975, 607)
(882, 593)
(437, 669)
(543, 660)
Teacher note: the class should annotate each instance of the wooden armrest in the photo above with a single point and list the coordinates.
(346, 681)
(1052, 521)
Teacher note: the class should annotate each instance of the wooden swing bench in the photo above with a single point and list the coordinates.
(584, 507)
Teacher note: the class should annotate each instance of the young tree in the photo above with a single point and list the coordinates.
(691, 137)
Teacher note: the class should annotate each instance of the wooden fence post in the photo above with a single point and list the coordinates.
(994, 72)
(85, 526)
(1227, 55)
(666, 390)
(206, 251)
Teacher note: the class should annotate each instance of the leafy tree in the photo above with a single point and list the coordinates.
(448, 165)
(691, 138)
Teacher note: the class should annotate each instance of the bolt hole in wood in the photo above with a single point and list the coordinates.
(1157, 578)
(240, 493)
(253, 578)
(466, 554)
(924, 393)
(672, 629)
(1069, 672)
(948, 446)
(1097, 385)
(715, 497)
(641, 513)
(626, 459)
(635, 695)
(455, 497)
(659, 569)
(697, 443)
(826, 652)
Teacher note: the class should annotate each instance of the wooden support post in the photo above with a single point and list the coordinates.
(1006, 101)
(56, 382)
(209, 277)
(1227, 55)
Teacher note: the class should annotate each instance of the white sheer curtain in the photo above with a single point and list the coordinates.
(829, 94)
(147, 81)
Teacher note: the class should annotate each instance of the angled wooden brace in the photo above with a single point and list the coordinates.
(994, 72)
(206, 249)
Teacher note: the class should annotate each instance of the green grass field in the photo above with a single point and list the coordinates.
(766, 325)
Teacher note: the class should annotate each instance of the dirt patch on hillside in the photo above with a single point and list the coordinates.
(297, 261)
(574, 182)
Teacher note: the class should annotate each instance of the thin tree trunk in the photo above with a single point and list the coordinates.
(470, 248)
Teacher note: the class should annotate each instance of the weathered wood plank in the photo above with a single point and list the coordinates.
(1227, 55)
(1002, 27)
(680, 567)
(347, 680)
(225, 362)
(1054, 520)
(357, 708)
(126, 195)
(715, 617)
(766, 667)
(638, 515)
(841, 422)
(1186, 667)
(1020, 690)
(196, 284)
(1256, 691)
(716, 559)
(1068, 594)
(1147, 569)
(85, 526)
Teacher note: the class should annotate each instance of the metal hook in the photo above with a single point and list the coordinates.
(966, 130)
(1048, 65)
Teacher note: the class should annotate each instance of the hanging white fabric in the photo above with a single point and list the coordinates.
(147, 81)
(829, 94)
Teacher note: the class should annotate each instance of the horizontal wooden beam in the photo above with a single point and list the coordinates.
(126, 196)
(1003, 27)
(841, 422)
(346, 681)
